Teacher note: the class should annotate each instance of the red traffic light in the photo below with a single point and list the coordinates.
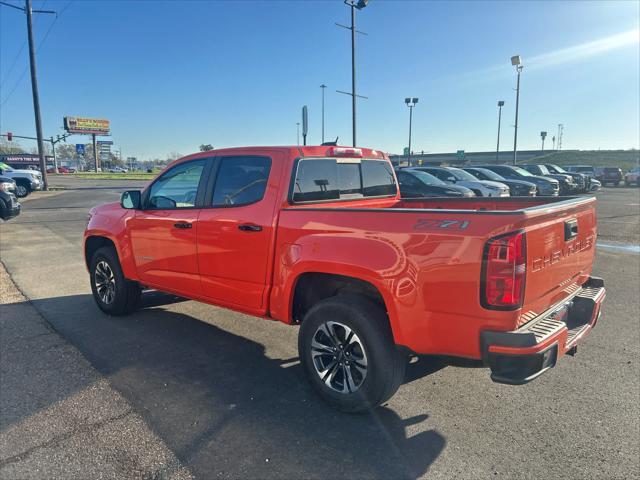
(9, 136)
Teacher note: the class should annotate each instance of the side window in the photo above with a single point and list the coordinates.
(177, 187)
(241, 180)
(440, 174)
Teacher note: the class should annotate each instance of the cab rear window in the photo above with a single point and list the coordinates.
(330, 179)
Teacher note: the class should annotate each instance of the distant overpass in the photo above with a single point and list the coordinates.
(468, 158)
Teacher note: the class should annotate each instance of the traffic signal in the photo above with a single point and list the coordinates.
(9, 136)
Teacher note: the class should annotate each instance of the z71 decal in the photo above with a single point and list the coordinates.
(428, 224)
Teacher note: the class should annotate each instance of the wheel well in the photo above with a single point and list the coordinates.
(94, 243)
(476, 191)
(314, 287)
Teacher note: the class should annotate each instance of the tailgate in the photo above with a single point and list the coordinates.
(560, 253)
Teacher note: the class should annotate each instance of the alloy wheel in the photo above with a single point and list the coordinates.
(339, 357)
(105, 282)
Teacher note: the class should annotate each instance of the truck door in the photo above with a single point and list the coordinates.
(163, 233)
(236, 230)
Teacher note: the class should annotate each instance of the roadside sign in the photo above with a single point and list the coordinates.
(105, 142)
(80, 148)
(460, 154)
(405, 152)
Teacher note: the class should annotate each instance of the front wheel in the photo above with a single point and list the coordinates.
(112, 292)
(347, 351)
(22, 190)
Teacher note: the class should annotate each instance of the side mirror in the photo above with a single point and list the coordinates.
(131, 199)
(452, 179)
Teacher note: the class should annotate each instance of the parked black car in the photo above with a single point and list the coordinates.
(567, 183)
(547, 187)
(518, 188)
(9, 205)
(581, 179)
(612, 175)
(416, 184)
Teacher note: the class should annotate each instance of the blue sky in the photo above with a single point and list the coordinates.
(173, 75)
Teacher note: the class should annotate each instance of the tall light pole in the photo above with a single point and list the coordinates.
(359, 5)
(516, 62)
(543, 135)
(500, 105)
(322, 87)
(34, 83)
(411, 102)
(298, 133)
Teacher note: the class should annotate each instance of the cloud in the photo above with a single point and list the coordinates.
(563, 56)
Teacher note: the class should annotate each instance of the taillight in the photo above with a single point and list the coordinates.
(344, 152)
(504, 267)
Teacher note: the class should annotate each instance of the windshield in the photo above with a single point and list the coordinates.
(523, 172)
(427, 178)
(462, 175)
(558, 169)
(543, 170)
(489, 174)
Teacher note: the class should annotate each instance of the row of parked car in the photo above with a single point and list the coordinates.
(609, 175)
(493, 181)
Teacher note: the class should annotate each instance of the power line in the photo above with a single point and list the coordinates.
(17, 56)
(26, 68)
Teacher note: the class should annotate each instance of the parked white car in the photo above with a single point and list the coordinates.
(457, 176)
(26, 180)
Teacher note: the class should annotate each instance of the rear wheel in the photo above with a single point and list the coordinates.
(112, 292)
(347, 351)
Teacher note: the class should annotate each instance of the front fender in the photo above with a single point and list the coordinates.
(111, 224)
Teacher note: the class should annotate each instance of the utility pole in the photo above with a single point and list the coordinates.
(34, 83)
(298, 133)
(322, 87)
(560, 132)
(354, 4)
(553, 139)
(500, 105)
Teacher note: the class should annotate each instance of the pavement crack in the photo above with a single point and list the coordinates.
(81, 429)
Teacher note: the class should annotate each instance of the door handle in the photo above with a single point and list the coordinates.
(248, 227)
(182, 225)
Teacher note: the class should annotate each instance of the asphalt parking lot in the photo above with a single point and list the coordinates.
(226, 394)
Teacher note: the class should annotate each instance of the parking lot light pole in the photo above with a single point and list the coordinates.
(355, 5)
(411, 102)
(500, 105)
(543, 135)
(516, 62)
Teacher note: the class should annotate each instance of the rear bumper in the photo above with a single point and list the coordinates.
(519, 356)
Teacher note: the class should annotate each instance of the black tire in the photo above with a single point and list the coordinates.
(23, 189)
(126, 294)
(385, 363)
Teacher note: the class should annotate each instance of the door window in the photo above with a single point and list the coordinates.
(177, 187)
(241, 181)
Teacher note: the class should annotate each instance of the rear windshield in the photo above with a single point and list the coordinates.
(328, 179)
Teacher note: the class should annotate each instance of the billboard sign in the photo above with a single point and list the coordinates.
(87, 126)
(20, 160)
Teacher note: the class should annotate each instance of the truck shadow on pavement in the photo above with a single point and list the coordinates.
(227, 409)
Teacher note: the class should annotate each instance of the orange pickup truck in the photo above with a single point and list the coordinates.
(320, 237)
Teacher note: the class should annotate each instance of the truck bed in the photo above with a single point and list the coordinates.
(425, 256)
